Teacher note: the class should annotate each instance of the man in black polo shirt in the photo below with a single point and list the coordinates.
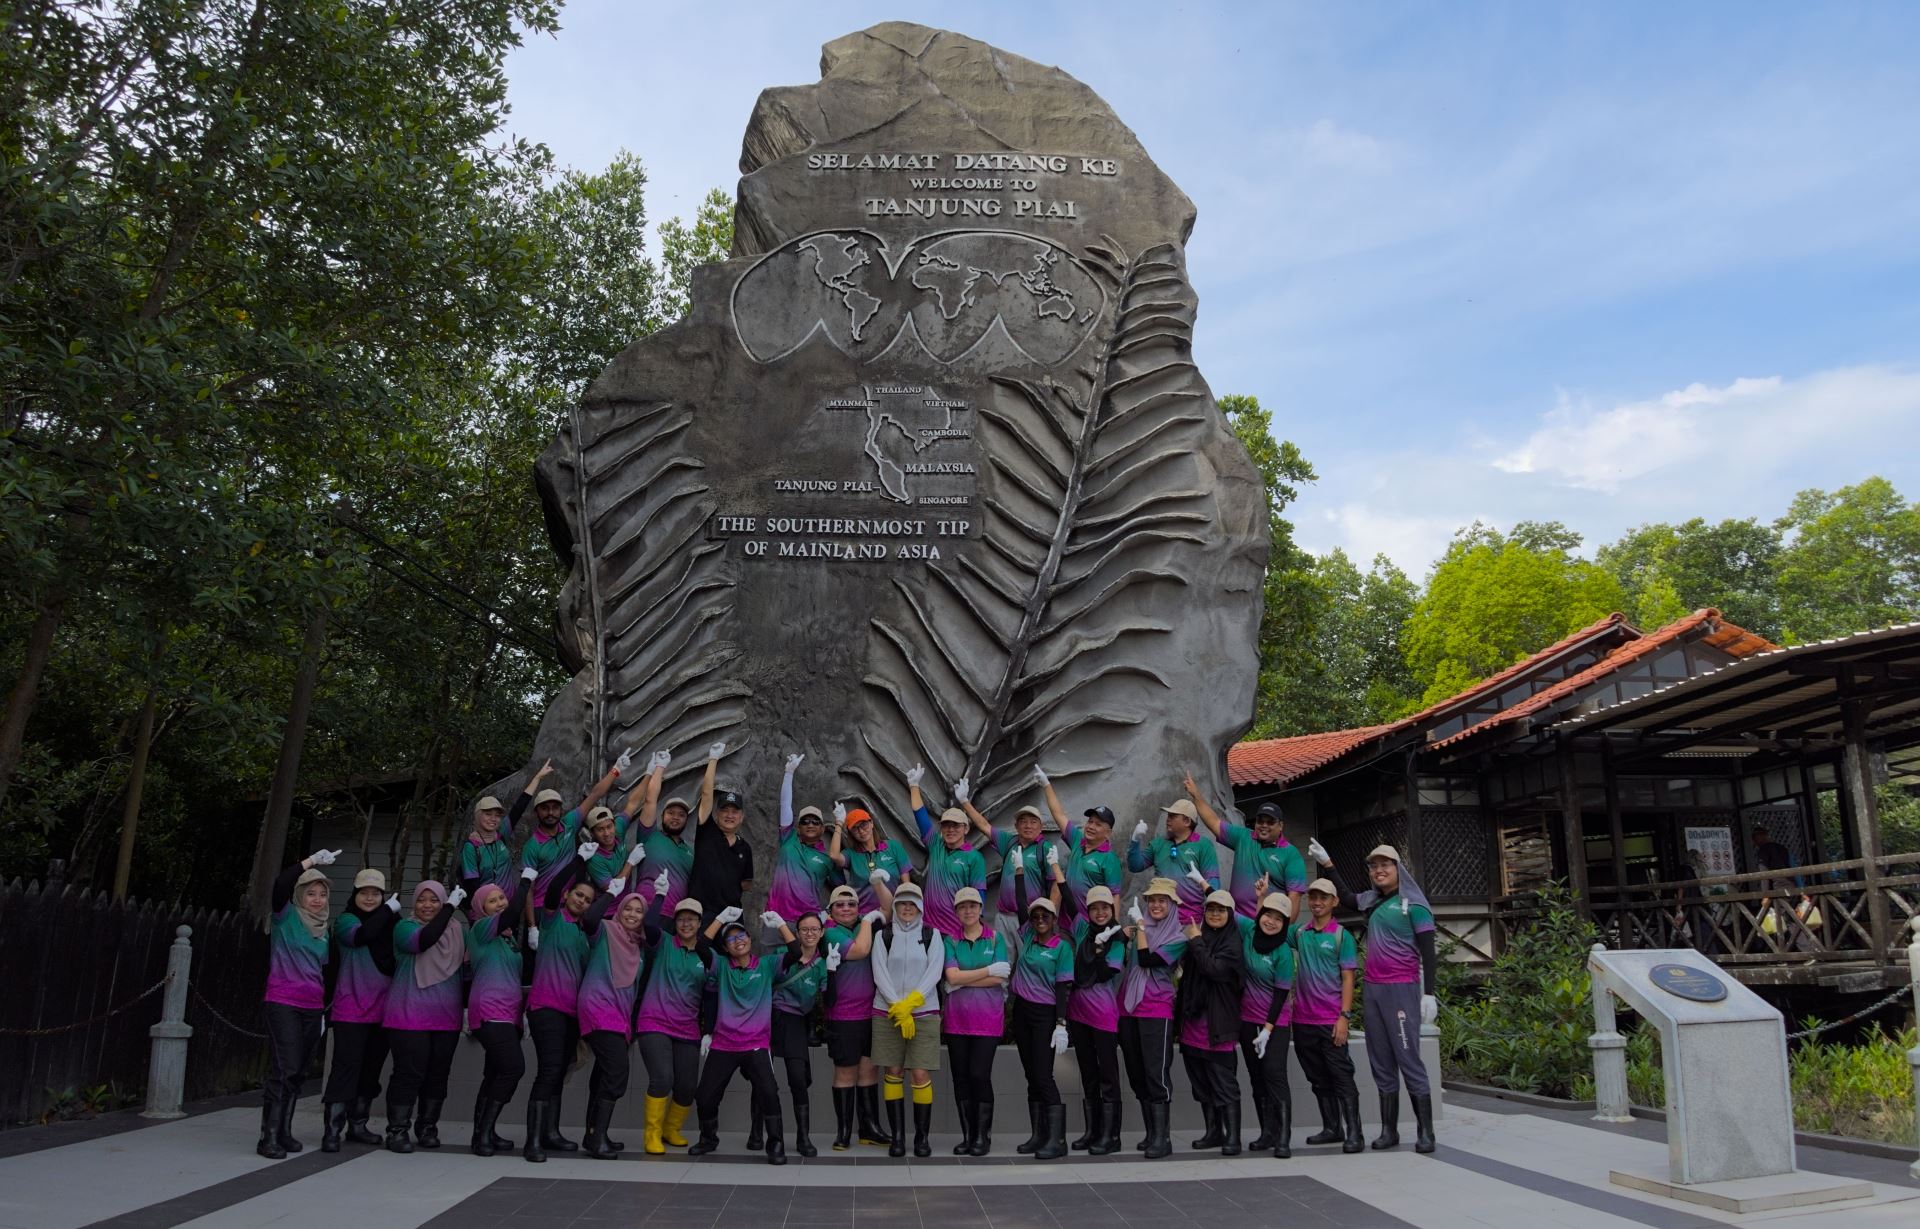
(722, 857)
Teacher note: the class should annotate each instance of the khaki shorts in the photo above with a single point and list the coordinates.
(890, 1049)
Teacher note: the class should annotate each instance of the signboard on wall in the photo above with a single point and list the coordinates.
(1715, 847)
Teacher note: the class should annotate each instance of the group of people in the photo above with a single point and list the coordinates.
(612, 928)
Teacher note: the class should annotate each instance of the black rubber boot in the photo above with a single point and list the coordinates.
(287, 1141)
(1283, 1128)
(845, 1108)
(897, 1127)
(357, 1115)
(1263, 1114)
(1107, 1114)
(1329, 1132)
(1389, 1136)
(269, 1145)
(1230, 1129)
(1215, 1129)
(872, 1130)
(500, 1142)
(982, 1128)
(426, 1124)
(1034, 1120)
(537, 1112)
(1090, 1110)
(551, 1139)
(1146, 1122)
(756, 1134)
(1159, 1116)
(708, 1141)
(965, 1146)
(922, 1125)
(802, 1122)
(335, 1115)
(595, 1143)
(776, 1140)
(1054, 1145)
(399, 1122)
(1423, 1123)
(484, 1112)
(1350, 1116)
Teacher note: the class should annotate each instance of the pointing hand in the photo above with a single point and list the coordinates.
(962, 792)
(716, 751)
(914, 774)
(1318, 852)
(1140, 831)
(1040, 776)
(793, 763)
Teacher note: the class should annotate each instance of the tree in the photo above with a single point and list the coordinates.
(685, 247)
(1668, 571)
(1851, 561)
(1352, 669)
(1492, 599)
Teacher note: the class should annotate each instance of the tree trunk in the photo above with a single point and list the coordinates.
(13, 730)
(271, 850)
(136, 784)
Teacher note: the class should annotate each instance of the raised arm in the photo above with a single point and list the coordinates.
(834, 854)
(918, 805)
(597, 913)
(428, 935)
(706, 781)
(599, 791)
(1054, 808)
(1208, 815)
(786, 793)
(649, 790)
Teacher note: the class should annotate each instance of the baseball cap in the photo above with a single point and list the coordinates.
(1278, 902)
(858, 816)
(370, 878)
(1101, 895)
(1220, 897)
(812, 813)
(1324, 887)
(546, 796)
(1181, 806)
(489, 803)
(843, 892)
(909, 891)
(727, 798)
(1103, 814)
(677, 801)
(965, 896)
(1023, 812)
(597, 815)
(689, 905)
(1269, 810)
(1383, 851)
(1043, 902)
(954, 815)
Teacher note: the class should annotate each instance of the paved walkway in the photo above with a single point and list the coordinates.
(1497, 1167)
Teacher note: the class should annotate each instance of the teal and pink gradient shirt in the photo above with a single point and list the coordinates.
(1393, 951)
(1320, 954)
(974, 1011)
(744, 1022)
(948, 870)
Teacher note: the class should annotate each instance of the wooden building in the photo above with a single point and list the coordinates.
(1645, 770)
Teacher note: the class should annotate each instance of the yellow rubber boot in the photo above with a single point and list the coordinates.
(655, 1120)
(670, 1131)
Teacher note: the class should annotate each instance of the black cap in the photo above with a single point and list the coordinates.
(1103, 814)
(1269, 810)
(727, 798)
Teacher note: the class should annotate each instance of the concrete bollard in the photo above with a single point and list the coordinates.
(167, 1057)
(1609, 1056)
(1913, 1055)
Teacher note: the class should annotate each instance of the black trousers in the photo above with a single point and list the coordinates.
(555, 1034)
(293, 1034)
(756, 1065)
(1213, 1074)
(421, 1060)
(359, 1052)
(610, 1065)
(1098, 1053)
(1267, 1075)
(500, 1077)
(1328, 1067)
(972, 1062)
(1033, 1037)
(673, 1066)
(1147, 1045)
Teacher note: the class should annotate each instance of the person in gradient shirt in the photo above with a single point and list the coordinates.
(552, 1001)
(1042, 980)
(1091, 862)
(1268, 960)
(1093, 1020)
(1323, 964)
(296, 994)
(1033, 869)
(976, 973)
(550, 847)
(667, 1025)
(1207, 1004)
(362, 969)
(803, 976)
(742, 1033)
(866, 856)
(952, 864)
(664, 844)
(607, 833)
(856, 1080)
(803, 867)
(423, 1013)
(1193, 864)
(1259, 853)
(493, 1006)
(486, 856)
(609, 984)
(1155, 944)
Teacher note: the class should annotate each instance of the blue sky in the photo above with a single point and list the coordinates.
(1598, 263)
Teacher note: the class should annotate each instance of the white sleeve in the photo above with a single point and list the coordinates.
(936, 967)
(882, 975)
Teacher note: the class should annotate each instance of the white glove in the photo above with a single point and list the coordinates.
(1260, 1042)
(706, 1043)
(533, 938)
(833, 957)
(529, 874)
(962, 792)
(793, 763)
(1133, 913)
(1140, 831)
(1018, 860)
(873, 917)
(323, 857)
(914, 774)
(1053, 855)
(1106, 935)
(393, 902)
(616, 885)
(713, 753)
(587, 850)
(625, 762)
(660, 761)
(660, 884)
(840, 814)
(1193, 873)
(456, 896)
(1429, 1009)
(772, 920)
(729, 914)
(636, 855)
(879, 875)
(1059, 1039)
(1000, 968)
(1318, 852)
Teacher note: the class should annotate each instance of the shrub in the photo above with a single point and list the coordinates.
(1864, 1090)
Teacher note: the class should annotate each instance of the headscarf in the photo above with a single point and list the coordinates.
(1159, 934)
(442, 960)
(623, 947)
(1408, 888)
(480, 898)
(314, 920)
(1265, 943)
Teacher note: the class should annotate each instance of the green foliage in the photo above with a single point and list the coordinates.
(1898, 809)
(1669, 571)
(1864, 1089)
(684, 247)
(1289, 594)
(1852, 561)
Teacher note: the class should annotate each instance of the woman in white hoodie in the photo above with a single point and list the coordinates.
(908, 962)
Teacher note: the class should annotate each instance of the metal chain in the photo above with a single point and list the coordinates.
(215, 1013)
(1818, 1029)
(142, 997)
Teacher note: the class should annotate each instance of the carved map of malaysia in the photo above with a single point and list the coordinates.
(926, 475)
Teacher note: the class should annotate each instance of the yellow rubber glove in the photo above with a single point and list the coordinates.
(902, 1013)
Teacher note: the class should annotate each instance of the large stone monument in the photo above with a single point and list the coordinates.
(926, 475)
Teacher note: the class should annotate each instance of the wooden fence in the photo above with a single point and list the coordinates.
(82, 976)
